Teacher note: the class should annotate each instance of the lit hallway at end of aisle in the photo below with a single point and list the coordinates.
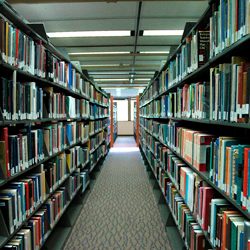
(121, 211)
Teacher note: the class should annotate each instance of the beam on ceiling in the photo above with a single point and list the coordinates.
(84, 1)
(116, 45)
(137, 29)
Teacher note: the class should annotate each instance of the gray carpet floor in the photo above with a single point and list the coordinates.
(121, 211)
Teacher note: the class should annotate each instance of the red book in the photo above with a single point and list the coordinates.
(200, 202)
(200, 241)
(200, 144)
(208, 194)
(27, 200)
(39, 228)
(245, 178)
(4, 136)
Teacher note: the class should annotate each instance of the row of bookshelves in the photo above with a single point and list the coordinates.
(47, 105)
(164, 178)
(26, 214)
(182, 235)
(203, 175)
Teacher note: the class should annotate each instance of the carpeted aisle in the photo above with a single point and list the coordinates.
(121, 211)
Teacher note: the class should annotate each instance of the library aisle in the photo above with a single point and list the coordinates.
(121, 211)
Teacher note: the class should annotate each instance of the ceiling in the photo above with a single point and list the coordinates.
(77, 15)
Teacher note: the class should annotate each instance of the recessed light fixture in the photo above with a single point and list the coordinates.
(109, 33)
(99, 53)
(162, 32)
(154, 52)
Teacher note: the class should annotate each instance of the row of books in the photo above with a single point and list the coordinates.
(153, 109)
(21, 51)
(97, 111)
(97, 96)
(77, 108)
(191, 101)
(230, 21)
(21, 101)
(153, 90)
(95, 126)
(193, 54)
(224, 98)
(187, 224)
(35, 232)
(225, 158)
(229, 88)
(21, 149)
(28, 193)
(225, 227)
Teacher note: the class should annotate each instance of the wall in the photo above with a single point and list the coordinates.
(125, 128)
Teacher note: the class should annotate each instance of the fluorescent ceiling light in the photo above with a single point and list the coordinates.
(142, 79)
(104, 65)
(154, 52)
(100, 53)
(162, 32)
(100, 65)
(109, 80)
(109, 33)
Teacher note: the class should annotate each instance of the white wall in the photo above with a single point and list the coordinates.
(125, 128)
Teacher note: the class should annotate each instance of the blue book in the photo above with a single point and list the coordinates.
(239, 172)
(216, 149)
(241, 247)
(69, 134)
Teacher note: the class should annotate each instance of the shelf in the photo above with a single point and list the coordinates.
(4, 182)
(42, 81)
(39, 121)
(227, 52)
(170, 209)
(97, 103)
(87, 184)
(93, 150)
(61, 182)
(203, 121)
(98, 118)
(92, 167)
(205, 177)
(97, 132)
(59, 217)
(83, 165)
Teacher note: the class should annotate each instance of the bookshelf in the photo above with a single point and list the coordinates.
(53, 132)
(136, 120)
(194, 130)
(113, 120)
